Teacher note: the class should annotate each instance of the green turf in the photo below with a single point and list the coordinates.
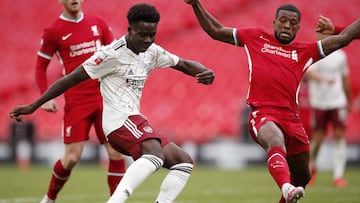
(207, 185)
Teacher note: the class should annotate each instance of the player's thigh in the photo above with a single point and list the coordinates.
(78, 131)
(175, 155)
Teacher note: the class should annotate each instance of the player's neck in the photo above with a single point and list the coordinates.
(72, 15)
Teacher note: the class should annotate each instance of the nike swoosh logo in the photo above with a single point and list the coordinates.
(66, 36)
(262, 37)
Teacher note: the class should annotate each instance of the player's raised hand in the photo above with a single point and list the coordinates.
(21, 110)
(325, 26)
(50, 106)
(191, 2)
(206, 77)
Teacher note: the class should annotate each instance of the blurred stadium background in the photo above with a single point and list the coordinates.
(201, 118)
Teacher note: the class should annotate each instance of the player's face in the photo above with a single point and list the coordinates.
(286, 25)
(72, 6)
(140, 36)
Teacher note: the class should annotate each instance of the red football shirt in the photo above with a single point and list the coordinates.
(275, 69)
(73, 41)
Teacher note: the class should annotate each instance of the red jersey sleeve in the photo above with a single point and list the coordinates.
(48, 46)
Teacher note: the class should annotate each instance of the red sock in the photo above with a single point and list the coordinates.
(116, 171)
(58, 179)
(277, 166)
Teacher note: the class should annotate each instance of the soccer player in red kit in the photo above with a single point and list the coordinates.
(277, 65)
(74, 37)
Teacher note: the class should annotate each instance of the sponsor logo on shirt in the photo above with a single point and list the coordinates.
(279, 51)
(84, 48)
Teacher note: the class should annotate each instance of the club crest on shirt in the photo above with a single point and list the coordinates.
(95, 30)
(148, 129)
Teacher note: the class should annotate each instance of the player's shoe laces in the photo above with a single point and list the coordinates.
(46, 199)
(294, 194)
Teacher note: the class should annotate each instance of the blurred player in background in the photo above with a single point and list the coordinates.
(74, 37)
(123, 68)
(330, 99)
(277, 65)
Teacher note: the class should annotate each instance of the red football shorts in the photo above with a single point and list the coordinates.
(128, 137)
(296, 139)
(334, 117)
(78, 121)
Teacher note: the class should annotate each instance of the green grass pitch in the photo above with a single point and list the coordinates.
(206, 185)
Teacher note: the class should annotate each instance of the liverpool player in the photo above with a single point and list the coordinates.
(74, 37)
(276, 65)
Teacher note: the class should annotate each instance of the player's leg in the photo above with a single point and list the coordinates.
(138, 171)
(62, 170)
(116, 167)
(318, 135)
(271, 138)
(73, 136)
(339, 147)
(136, 138)
(116, 164)
(180, 165)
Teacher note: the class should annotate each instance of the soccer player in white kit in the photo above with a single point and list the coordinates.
(330, 99)
(123, 68)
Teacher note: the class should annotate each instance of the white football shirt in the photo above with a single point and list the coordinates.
(327, 96)
(122, 75)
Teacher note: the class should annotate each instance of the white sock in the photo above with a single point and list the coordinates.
(339, 154)
(174, 182)
(136, 174)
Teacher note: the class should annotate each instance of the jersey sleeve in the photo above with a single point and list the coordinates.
(164, 58)
(242, 35)
(48, 44)
(48, 47)
(100, 63)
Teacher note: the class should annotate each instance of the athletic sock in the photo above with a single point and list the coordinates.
(339, 154)
(174, 182)
(116, 172)
(278, 166)
(58, 179)
(136, 174)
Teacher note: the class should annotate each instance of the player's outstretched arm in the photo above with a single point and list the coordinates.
(210, 24)
(200, 72)
(59, 87)
(342, 39)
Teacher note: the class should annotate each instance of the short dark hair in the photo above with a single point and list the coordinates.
(288, 7)
(143, 12)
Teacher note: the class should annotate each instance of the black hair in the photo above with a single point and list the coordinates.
(143, 12)
(288, 7)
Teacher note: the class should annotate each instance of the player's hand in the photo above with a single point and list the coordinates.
(50, 106)
(325, 26)
(21, 110)
(191, 2)
(206, 77)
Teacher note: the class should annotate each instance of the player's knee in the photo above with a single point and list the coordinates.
(71, 160)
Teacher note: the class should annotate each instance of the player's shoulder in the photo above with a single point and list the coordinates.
(91, 17)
